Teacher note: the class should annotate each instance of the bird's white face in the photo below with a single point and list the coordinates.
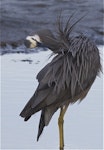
(33, 40)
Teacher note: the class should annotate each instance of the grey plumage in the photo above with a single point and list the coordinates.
(48, 39)
(67, 78)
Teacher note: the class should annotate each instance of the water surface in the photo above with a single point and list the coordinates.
(83, 122)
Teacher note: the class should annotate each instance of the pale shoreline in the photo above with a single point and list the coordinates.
(83, 122)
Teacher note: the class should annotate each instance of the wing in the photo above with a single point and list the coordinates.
(50, 89)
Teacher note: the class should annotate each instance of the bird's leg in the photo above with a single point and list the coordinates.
(61, 134)
(60, 123)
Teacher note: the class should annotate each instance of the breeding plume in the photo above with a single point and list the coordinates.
(67, 78)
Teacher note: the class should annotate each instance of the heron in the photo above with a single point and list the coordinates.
(67, 78)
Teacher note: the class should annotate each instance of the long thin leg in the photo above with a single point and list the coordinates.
(60, 123)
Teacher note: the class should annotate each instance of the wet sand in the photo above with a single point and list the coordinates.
(21, 18)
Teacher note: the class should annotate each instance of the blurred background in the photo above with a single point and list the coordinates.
(20, 18)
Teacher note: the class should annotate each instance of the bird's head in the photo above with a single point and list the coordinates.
(42, 38)
(33, 41)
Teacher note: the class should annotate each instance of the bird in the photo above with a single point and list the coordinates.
(67, 78)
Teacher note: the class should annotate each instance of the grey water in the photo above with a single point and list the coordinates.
(20, 18)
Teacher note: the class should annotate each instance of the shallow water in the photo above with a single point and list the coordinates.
(83, 122)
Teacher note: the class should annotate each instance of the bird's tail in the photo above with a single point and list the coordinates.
(41, 124)
(45, 118)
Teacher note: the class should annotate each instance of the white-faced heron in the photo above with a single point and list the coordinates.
(66, 79)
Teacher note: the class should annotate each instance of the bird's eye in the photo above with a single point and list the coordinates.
(34, 39)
